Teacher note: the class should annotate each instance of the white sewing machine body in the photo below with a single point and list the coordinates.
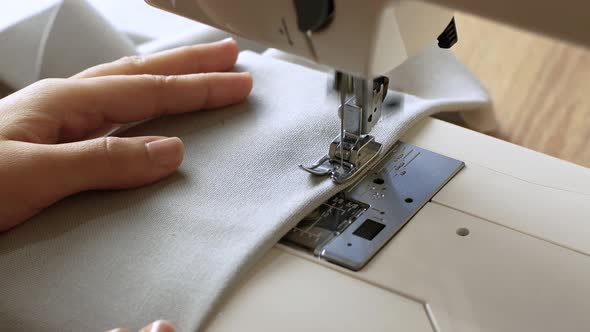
(523, 266)
(363, 38)
(502, 247)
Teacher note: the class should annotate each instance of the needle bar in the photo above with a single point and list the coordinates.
(343, 90)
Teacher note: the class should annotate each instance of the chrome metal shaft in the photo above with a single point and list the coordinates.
(343, 91)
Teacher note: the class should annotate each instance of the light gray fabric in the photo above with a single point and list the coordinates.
(59, 38)
(482, 120)
(54, 38)
(170, 250)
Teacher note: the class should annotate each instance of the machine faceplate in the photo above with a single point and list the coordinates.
(351, 227)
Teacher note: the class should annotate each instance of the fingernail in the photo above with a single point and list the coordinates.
(165, 152)
(228, 39)
(159, 327)
(246, 74)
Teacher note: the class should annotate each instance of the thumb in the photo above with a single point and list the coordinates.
(35, 176)
(116, 163)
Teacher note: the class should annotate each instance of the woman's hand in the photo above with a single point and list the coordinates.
(48, 131)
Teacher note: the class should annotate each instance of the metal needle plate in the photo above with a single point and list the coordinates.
(351, 227)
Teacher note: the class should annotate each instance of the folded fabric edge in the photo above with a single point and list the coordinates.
(43, 41)
(329, 189)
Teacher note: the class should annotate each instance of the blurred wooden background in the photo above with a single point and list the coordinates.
(540, 87)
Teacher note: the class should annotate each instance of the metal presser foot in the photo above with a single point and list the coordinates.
(353, 149)
(342, 166)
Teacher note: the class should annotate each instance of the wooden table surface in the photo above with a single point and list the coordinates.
(540, 87)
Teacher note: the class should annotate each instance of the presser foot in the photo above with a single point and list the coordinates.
(343, 163)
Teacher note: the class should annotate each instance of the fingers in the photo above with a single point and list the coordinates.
(148, 95)
(213, 57)
(58, 110)
(122, 99)
(38, 175)
(65, 110)
(112, 163)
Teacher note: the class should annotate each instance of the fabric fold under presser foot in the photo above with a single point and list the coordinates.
(347, 164)
(174, 248)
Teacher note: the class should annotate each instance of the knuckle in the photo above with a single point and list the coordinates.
(132, 60)
(108, 148)
(47, 93)
(159, 86)
(161, 81)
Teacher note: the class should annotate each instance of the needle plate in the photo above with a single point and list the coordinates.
(351, 227)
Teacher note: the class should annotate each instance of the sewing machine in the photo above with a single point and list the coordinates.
(453, 231)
